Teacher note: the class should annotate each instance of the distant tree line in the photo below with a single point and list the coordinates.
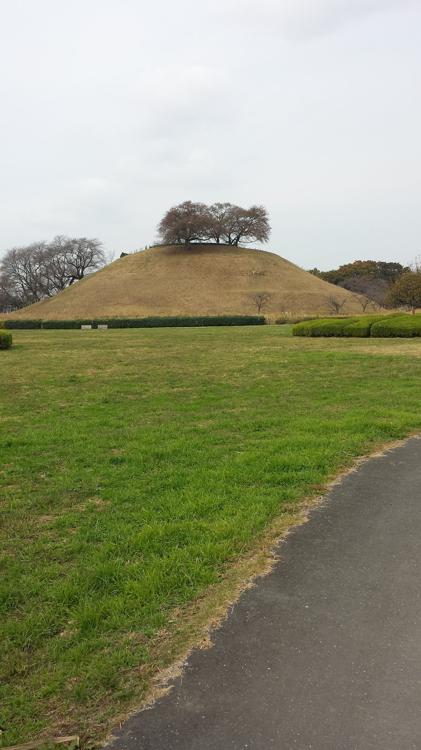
(220, 223)
(386, 284)
(32, 273)
(370, 278)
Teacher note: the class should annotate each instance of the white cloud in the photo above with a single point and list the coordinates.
(301, 19)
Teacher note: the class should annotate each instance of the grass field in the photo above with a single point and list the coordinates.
(137, 468)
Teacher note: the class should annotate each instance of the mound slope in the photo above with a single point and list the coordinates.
(199, 280)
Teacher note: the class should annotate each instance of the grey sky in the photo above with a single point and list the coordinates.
(113, 110)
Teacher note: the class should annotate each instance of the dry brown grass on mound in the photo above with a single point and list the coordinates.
(198, 280)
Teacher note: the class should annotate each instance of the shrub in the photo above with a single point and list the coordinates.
(152, 322)
(362, 326)
(49, 324)
(306, 326)
(5, 340)
(404, 326)
(165, 322)
(323, 327)
(160, 322)
(22, 324)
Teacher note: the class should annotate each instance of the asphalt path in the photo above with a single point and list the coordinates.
(324, 653)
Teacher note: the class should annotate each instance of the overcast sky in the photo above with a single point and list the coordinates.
(114, 110)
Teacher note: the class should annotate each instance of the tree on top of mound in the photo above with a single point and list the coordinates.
(221, 222)
(184, 223)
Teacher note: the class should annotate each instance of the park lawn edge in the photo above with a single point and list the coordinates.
(192, 626)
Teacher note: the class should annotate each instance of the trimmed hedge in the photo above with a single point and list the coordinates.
(362, 326)
(405, 326)
(22, 324)
(323, 327)
(169, 322)
(152, 322)
(62, 324)
(5, 340)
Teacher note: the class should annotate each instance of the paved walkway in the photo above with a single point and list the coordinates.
(325, 652)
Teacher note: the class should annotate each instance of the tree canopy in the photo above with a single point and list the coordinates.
(221, 222)
(376, 268)
(371, 278)
(406, 291)
(31, 273)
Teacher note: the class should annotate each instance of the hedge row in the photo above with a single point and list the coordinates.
(404, 326)
(156, 322)
(5, 340)
(323, 327)
(27, 324)
(362, 326)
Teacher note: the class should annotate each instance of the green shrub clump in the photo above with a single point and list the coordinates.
(5, 340)
(361, 327)
(405, 326)
(323, 327)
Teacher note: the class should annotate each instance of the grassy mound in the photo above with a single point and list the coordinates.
(200, 280)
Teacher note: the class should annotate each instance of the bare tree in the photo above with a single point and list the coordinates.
(84, 256)
(415, 266)
(335, 304)
(9, 300)
(250, 225)
(42, 269)
(261, 299)
(221, 222)
(188, 222)
(56, 265)
(22, 272)
(365, 302)
(219, 218)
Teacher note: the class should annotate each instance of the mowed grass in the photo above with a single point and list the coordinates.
(136, 467)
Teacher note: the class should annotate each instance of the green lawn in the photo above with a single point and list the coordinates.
(136, 467)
